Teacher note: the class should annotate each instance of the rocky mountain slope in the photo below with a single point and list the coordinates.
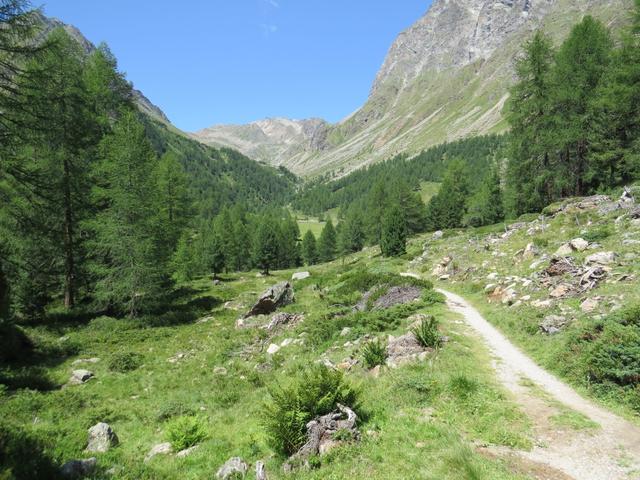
(446, 77)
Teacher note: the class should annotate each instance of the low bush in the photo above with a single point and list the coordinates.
(125, 362)
(599, 233)
(427, 334)
(374, 353)
(185, 432)
(315, 392)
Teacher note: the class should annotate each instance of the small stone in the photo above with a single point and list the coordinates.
(79, 468)
(579, 244)
(601, 258)
(345, 331)
(159, 449)
(187, 451)
(101, 438)
(530, 251)
(273, 348)
(80, 376)
(300, 275)
(220, 371)
(492, 276)
(437, 235)
(561, 290)
(564, 250)
(286, 342)
(233, 468)
(590, 304)
(552, 324)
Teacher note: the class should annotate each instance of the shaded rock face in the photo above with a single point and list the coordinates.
(321, 436)
(79, 468)
(275, 297)
(396, 295)
(233, 468)
(101, 438)
(80, 376)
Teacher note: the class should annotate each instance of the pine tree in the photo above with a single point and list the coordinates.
(530, 175)
(266, 246)
(351, 237)
(581, 63)
(486, 205)
(393, 241)
(448, 207)
(309, 248)
(187, 260)
(327, 246)
(128, 260)
(174, 201)
(290, 243)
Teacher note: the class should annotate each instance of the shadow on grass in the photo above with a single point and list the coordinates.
(23, 456)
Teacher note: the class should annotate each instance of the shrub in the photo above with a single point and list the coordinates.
(431, 297)
(427, 334)
(125, 362)
(185, 432)
(598, 234)
(173, 409)
(315, 392)
(374, 353)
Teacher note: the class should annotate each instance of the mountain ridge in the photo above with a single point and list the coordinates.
(445, 77)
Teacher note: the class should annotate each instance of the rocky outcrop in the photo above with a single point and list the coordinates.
(79, 468)
(233, 468)
(279, 295)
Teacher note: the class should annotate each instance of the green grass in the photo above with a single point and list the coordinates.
(428, 190)
(418, 420)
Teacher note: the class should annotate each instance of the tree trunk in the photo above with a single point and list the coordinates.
(4, 296)
(69, 270)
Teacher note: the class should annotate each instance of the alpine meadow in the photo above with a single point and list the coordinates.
(444, 284)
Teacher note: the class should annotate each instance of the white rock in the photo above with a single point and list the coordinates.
(286, 342)
(492, 276)
(437, 235)
(101, 438)
(159, 449)
(273, 348)
(601, 258)
(233, 468)
(589, 305)
(564, 250)
(187, 451)
(300, 275)
(80, 376)
(579, 244)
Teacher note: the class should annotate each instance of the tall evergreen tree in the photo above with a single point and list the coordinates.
(531, 180)
(309, 248)
(486, 205)
(448, 207)
(128, 260)
(352, 234)
(327, 246)
(393, 241)
(266, 246)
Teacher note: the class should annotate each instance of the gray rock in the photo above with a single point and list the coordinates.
(403, 349)
(579, 244)
(277, 296)
(79, 468)
(80, 376)
(220, 371)
(282, 318)
(159, 449)
(396, 295)
(232, 468)
(552, 324)
(187, 451)
(345, 331)
(601, 258)
(437, 235)
(101, 438)
(590, 304)
(300, 275)
(564, 250)
(273, 349)
(261, 472)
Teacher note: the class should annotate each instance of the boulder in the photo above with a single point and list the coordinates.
(564, 250)
(277, 296)
(80, 376)
(320, 436)
(437, 235)
(273, 349)
(159, 449)
(396, 295)
(79, 468)
(300, 275)
(579, 244)
(552, 324)
(233, 468)
(601, 258)
(101, 438)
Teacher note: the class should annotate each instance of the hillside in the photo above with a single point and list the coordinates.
(444, 78)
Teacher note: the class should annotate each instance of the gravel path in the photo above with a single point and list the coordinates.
(610, 452)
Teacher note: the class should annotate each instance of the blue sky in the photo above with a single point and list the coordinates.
(234, 61)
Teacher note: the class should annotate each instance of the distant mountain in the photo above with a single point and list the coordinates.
(444, 78)
(143, 102)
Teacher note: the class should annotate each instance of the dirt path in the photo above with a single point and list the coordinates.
(609, 452)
